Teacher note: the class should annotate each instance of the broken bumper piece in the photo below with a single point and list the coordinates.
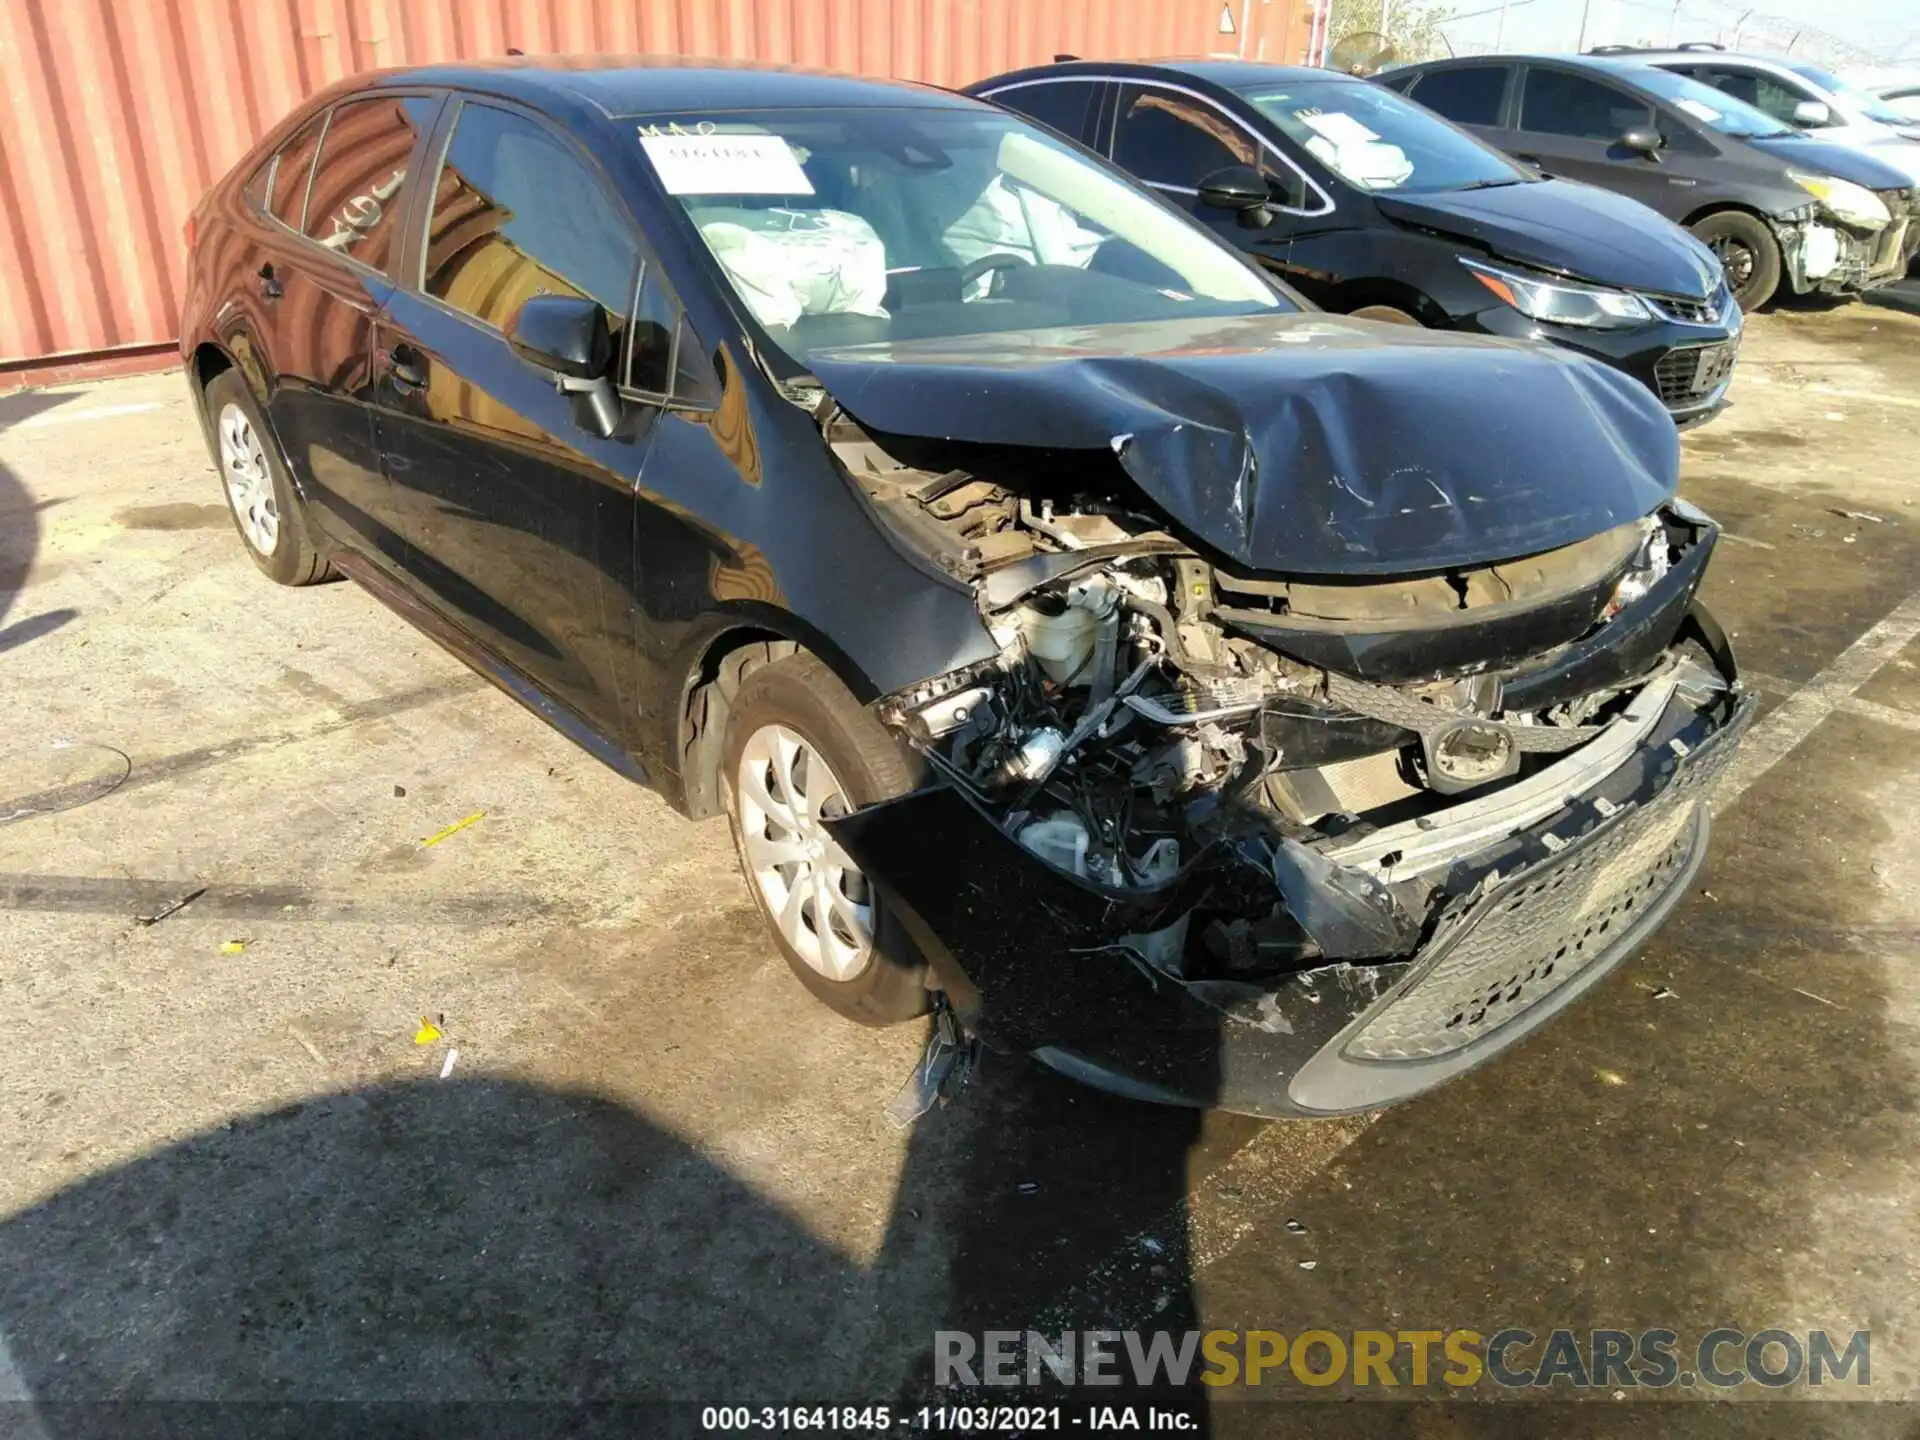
(1039, 961)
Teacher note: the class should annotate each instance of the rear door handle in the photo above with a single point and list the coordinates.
(404, 365)
(270, 285)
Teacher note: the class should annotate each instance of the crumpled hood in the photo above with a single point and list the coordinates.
(1304, 444)
(1576, 229)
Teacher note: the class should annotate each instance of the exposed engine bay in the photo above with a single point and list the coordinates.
(1273, 775)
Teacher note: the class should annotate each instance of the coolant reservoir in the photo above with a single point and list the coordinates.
(1061, 644)
(1060, 841)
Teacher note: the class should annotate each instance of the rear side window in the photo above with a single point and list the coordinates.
(1559, 103)
(353, 207)
(516, 213)
(291, 167)
(1061, 104)
(1470, 95)
(1172, 139)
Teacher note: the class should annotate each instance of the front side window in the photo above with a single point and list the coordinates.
(1060, 104)
(1470, 95)
(1719, 109)
(353, 208)
(517, 213)
(1374, 140)
(291, 170)
(1171, 139)
(839, 227)
(1559, 103)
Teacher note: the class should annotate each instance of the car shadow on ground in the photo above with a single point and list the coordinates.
(19, 544)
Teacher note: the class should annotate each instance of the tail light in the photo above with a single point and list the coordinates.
(186, 231)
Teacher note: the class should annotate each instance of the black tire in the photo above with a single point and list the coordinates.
(294, 558)
(802, 694)
(1388, 314)
(1747, 250)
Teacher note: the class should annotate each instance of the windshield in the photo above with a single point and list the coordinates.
(1708, 105)
(868, 226)
(1374, 139)
(1870, 106)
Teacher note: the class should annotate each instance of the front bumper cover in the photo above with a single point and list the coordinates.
(1033, 959)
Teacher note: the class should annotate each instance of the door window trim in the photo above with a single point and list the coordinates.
(1267, 147)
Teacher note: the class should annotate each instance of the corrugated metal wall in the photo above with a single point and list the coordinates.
(120, 113)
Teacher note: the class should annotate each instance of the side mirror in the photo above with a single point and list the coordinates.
(568, 336)
(1645, 141)
(1240, 188)
(1812, 112)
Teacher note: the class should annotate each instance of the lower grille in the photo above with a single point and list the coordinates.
(1513, 947)
(1689, 374)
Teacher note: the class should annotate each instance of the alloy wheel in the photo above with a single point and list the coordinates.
(243, 465)
(819, 901)
(1736, 259)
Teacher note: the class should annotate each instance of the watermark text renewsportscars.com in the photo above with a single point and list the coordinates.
(1513, 1358)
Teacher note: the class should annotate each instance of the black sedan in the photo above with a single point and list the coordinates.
(1229, 703)
(1373, 206)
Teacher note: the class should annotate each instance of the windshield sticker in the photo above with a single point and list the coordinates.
(725, 164)
(1343, 130)
(1699, 110)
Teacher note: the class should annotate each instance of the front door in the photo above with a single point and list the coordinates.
(516, 511)
(1173, 139)
(1570, 126)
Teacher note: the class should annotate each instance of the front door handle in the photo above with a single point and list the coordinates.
(403, 364)
(270, 285)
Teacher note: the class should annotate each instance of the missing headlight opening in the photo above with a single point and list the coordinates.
(1312, 805)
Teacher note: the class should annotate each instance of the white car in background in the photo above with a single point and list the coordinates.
(1803, 95)
(1898, 89)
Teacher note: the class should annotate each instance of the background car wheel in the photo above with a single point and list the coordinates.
(265, 509)
(800, 748)
(1747, 251)
(1383, 312)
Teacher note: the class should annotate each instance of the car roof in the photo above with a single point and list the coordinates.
(618, 85)
(1701, 57)
(1228, 74)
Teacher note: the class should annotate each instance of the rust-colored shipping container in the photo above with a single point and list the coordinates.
(119, 113)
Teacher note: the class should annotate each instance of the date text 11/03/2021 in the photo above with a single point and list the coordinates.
(962, 1419)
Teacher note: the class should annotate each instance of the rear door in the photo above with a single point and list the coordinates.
(1570, 124)
(516, 512)
(333, 195)
(1471, 96)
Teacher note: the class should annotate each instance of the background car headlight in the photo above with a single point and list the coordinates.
(1561, 302)
(1847, 202)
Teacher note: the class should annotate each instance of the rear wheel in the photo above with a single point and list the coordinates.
(260, 495)
(1748, 253)
(801, 750)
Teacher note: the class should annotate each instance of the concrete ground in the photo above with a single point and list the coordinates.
(229, 1169)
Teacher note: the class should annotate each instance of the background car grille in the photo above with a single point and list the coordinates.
(1688, 374)
(1526, 939)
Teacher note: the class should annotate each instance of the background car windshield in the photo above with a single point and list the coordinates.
(1709, 106)
(853, 227)
(1870, 106)
(1375, 140)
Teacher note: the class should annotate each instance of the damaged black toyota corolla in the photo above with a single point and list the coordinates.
(1227, 703)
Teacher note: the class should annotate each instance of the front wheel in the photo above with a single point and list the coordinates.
(1748, 253)
(800, 750)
